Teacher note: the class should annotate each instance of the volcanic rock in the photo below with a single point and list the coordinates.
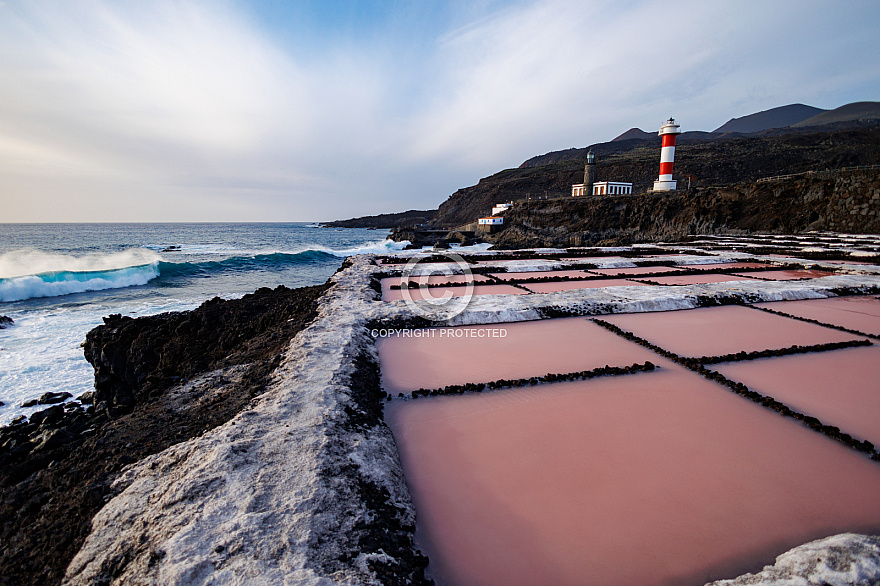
(827, 201)
(134, 358)
(48, 416)
(52, 398)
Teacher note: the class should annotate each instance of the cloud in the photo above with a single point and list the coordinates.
(564, 73)
(170, 78)
(184, 98)
(193, 111)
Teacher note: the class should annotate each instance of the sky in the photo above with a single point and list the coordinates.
(202, 111)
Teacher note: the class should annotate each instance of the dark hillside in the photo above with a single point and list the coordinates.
(385, 221)
(763, 144)
(601, 150)
(774, 118)
(709, 163)
(773, 122)
(632, 133)
(848, 113)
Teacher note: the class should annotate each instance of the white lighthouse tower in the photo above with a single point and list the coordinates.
(668, 132)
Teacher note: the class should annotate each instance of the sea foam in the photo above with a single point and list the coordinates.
(30, 262)
(67, 282)
(375, 247)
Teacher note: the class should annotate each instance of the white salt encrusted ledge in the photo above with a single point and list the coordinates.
(243, 502)
(250, 501)
(840, 560)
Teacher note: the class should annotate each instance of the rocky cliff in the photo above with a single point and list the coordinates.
(843, 201)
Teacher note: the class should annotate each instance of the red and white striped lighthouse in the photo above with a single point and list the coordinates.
(668, 132)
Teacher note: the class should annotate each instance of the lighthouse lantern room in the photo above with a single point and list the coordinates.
(668, 132)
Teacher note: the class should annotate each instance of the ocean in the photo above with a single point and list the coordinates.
(58, 280)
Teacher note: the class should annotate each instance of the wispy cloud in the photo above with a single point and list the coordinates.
(172, 94)
(562, 73)
(191, 111)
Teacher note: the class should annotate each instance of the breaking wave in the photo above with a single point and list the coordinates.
(31, 274)
(67, 282)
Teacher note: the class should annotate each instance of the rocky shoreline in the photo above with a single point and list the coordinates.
(160, 380)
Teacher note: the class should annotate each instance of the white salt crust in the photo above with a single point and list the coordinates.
(840, 560)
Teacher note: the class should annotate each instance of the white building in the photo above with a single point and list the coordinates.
(604, 188)
(612, 188)
(500, 207)
(490, 221)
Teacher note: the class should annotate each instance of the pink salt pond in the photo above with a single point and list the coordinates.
(438, 292)
(651, 479)
(714, 331)
(861, 313)
(634, 271)
(728, 266)
(490, 260)
(788, 275)
(662, 255)
(570, 285)
(539, 275)
(431, 279)
(840, 388)
(449, 356)
(695, 279)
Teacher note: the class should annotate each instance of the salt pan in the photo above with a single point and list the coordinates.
(715, 331)
(654, 478)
